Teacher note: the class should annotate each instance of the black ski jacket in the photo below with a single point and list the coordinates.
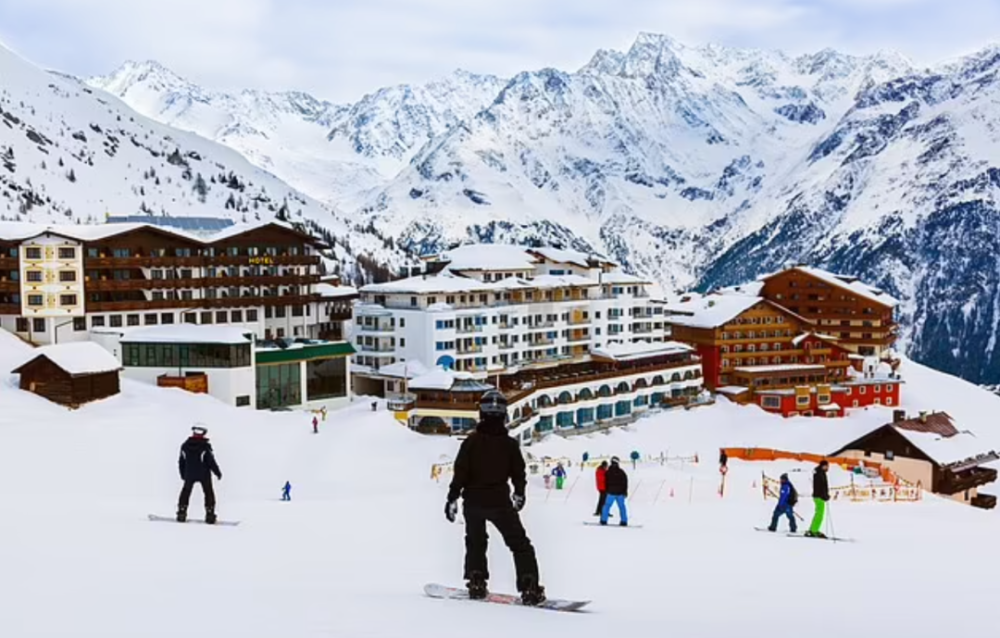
(616, 481)
(486, 461)
(197, 461)
(821, 489)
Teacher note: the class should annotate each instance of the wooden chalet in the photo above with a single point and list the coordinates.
(71, 374)
(931, 452)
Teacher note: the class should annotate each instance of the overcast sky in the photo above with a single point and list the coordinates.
(341, 49)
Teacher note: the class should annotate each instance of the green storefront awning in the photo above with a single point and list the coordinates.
(305, 353)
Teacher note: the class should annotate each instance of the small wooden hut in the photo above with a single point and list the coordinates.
(71, 374)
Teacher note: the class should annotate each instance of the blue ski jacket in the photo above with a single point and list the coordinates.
(786, 492)
(559, 471)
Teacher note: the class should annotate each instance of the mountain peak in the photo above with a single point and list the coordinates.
(132, 72)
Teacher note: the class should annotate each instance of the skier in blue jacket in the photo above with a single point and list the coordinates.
(286, 491)
(560, 474)
(787, 500)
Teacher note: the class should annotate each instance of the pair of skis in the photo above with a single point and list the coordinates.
(835, 539)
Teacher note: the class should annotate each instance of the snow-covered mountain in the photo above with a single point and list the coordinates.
(701, 166)
(70, 152)
(335, 153)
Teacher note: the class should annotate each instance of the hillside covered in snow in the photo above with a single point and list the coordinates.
(702, 166)
(70, 153)
(365, 528)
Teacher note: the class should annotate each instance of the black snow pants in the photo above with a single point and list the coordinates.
(508, 523)
(600, 503)
(206, 487)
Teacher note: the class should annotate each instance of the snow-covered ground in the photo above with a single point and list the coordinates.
(365, 530)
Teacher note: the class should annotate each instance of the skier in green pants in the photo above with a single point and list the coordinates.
(821, 494)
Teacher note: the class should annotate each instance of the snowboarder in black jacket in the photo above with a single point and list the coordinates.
(616, 484)
(197, 464)
(821, 494)
(487, 460)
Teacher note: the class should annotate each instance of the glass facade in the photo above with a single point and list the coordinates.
(326, 379)
(564, 419)
(279, 385)
(174, 355)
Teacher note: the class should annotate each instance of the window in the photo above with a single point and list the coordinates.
(863, 389)
(97, 322)
(878, 389)
(402, 343)
(22, 324)
(67, 253)
(36, 300)
(167, 318)
(156, 273)
(889, 455)
(116, 321)
(38, 325)
(67, 300)
(67, 275)
(33, 275)
(824, 399)
(243, 400)
(773, 403)
(206, 318)
(150, 319)
(402, 322)
(237, 316)
(79, 324)
(33, 253)
(848, 390)
(888, 401)
(221, 316)
(190, 317)
(802, 400)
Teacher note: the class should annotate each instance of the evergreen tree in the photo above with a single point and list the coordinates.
(201, 188)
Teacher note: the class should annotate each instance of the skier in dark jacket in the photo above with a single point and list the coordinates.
(488, 460)
(616, 485)
(821, 494)
(786, 505)
(197, 464)
(602, 491)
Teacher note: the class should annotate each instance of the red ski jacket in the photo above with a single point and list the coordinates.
(600, 478)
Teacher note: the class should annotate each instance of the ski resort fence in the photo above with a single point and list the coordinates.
(544, 465)
(856, 492)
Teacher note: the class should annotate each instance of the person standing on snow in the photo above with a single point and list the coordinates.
(787, 500)
(315, 425)
(616, 486)
(487, 460)
(560, 474)
(286, 491)
(600, 476)
(821, 494)
(197, 464)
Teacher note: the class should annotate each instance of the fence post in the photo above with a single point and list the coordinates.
(691, 491)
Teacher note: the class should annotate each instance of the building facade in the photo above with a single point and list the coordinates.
(488, 309)
(861, 317)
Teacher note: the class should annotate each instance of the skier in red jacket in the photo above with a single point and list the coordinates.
(601, 488)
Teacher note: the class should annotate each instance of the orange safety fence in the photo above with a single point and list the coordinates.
(765, 454)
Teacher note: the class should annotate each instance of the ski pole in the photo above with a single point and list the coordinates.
(829, 522)
(797, 515)
(570, 492)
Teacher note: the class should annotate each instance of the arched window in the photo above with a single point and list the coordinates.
(585, 395)
(623, 387)
(640, 383)
(605, 391)
(675, 377)
(544, 401)
(658, 380)
(565, 397)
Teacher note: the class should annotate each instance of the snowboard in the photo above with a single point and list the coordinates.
(173, 519)
(836, 539)
(454, 593)
(610, 524)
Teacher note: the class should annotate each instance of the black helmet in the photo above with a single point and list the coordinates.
(493, 403)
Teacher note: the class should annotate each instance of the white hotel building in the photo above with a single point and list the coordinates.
(487, 309)
(571, 339)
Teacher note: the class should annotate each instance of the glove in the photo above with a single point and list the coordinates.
(518, 502)
(451, 511)
(219, 476)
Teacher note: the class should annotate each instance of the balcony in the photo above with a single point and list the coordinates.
(506, 326)
(377, 328)
(984, 501)
(199, 261)
(469, 349)
(10, 309)
(468, 329)
(199, 304)
(577, 338)
(363, 348)
(506, 346)
(118, 285)
(401, 404)
(9, 263)
(952, 483)
(541, 326)
(10, 286)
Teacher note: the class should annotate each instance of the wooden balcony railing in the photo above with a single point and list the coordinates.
(976, 477)
(263, 281)
(200, 261)
(207, 304)
(10, 286)
(10, 309)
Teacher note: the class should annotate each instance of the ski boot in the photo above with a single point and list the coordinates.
(182, 514)
(210, 517)
(774, 529)
(532, 594)
(477, 586)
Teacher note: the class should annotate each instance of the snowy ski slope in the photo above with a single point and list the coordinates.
(365, 530)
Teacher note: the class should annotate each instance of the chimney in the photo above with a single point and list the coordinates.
(923, 416)
(898, 416)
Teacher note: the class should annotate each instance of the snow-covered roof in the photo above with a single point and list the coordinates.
(490, 257)
(329, 291)
(562, 281)
(784, 367)
(404, 369)
(732, 389)
(623, 279)
(848, 282)
(76, 358)
(437, 379)
(710, 311)
(444, 282)
(20, 231)
(574, 257)
(639, 350)
(751, 289)
(947, 450)
(187, 333)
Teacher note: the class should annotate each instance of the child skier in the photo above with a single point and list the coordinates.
(560, 474)
(286, 492)
(786, 505)
(315, 425)
(616, 486)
